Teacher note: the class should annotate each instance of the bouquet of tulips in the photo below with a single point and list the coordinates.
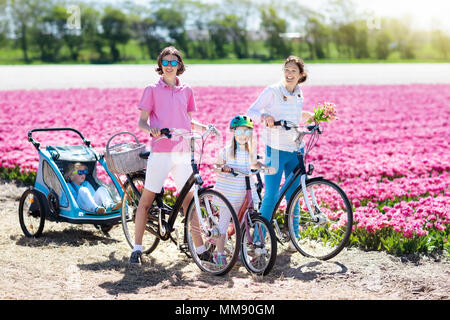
(324, 113)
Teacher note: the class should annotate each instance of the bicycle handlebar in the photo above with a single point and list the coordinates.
(236, 172)
(288, 125)
(168, 132)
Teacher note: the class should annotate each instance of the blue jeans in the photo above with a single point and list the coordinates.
(285, 162)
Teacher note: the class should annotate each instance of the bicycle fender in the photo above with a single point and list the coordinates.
(205, 188)
(314, 179)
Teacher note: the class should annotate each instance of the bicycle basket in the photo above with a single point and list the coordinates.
(123, 158)
(311, 143)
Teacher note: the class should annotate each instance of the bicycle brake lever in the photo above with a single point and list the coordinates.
(166, 132)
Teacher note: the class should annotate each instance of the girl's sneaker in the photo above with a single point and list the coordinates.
(220, 259)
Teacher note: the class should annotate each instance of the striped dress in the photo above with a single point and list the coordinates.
(234, 188)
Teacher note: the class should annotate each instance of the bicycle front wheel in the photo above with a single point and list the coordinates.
(325, 233)
(259, 246)
(217, 230)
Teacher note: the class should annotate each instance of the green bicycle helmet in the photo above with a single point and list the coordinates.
(241, 121)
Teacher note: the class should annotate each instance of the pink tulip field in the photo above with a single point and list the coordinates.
(389, 149)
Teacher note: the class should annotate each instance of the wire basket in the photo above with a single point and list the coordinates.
(123, 158)
(310, 144)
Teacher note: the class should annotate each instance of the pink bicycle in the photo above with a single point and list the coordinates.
(258, 240)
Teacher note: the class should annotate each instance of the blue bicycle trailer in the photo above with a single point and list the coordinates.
(50, 197)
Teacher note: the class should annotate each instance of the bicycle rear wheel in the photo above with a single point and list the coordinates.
(128, 212)
(259, 246)
(222, 230)
(325, 234)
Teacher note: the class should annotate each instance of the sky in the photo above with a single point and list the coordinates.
(424, 14)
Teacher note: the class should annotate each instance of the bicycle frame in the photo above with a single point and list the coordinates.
(194, 180)
(245, 210)
(299, 171)
(250, 206)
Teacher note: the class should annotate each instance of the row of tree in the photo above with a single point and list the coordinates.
(208, 30)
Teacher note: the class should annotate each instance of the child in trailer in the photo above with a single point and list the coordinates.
(239, 155)
(87, 198)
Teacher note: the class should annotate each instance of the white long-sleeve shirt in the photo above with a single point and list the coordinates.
(281, 104)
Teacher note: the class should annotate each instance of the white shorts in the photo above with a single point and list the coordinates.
(160, 164)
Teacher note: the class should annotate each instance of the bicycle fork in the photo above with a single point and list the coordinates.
(316, 215)
(214, 232)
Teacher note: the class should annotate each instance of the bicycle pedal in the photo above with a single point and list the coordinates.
(254, 214)
(184, 247)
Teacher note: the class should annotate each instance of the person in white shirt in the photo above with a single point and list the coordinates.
(281, 101)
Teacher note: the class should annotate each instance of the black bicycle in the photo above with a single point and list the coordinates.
(319, 214)
(201, 221)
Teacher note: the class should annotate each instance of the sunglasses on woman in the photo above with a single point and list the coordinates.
(173, 63)
(80, 172)
(241, 132)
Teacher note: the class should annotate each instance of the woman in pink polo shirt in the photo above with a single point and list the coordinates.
(165, 104)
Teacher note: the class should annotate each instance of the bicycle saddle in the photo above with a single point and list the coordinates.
(144, 155)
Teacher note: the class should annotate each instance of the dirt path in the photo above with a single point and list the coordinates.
(79, 262)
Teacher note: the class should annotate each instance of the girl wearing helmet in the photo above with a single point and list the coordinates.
(239, 155)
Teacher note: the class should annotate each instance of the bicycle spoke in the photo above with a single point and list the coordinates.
(259, 247)
(321, 235)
